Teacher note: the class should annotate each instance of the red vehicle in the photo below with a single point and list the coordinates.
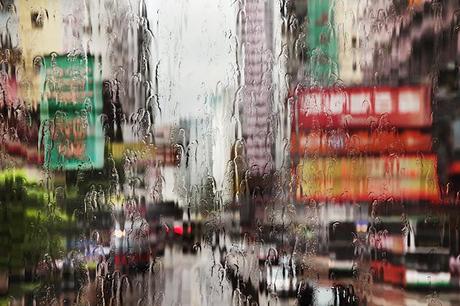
(137, 261)
(387, 253)
(420, 262)
(388, 268)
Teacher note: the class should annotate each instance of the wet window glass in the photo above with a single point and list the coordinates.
(216, 152)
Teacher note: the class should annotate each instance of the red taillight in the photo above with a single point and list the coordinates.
(179, 230)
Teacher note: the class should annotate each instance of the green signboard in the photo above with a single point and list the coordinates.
(321, 41)
(70, 111)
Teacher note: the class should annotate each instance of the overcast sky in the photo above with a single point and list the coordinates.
(194, 41)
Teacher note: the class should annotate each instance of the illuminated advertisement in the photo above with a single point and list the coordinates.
(69, 113)
(368, 178)
(361, 107)
(340, 142)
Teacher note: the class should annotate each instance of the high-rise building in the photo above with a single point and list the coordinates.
(223, 136)
(40, 34)
(119, 32)
(255, 27)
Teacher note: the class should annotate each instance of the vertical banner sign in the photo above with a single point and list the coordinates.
(321, 40)
(70, 113)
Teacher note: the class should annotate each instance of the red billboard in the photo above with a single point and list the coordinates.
(362, 107)
(338, 142)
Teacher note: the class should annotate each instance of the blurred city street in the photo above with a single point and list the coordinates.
(215, 152)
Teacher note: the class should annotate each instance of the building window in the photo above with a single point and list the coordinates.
(37, 18)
